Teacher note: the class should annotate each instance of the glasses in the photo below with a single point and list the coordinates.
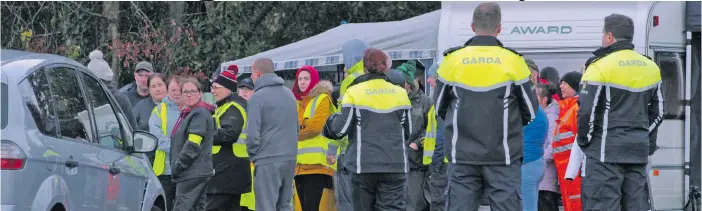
(216, 87)
(190, 92)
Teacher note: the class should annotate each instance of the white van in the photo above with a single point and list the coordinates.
(563, 35)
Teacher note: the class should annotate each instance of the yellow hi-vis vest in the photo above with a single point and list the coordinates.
(249, 199)
(430, 138)
(314, 150)
(239, 147)
(160, 161)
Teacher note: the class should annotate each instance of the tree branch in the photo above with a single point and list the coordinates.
(258, 20)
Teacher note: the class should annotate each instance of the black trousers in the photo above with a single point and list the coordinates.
(379, 191)
(548, 200)
(611, 186)
(310, 188)
(223, 202)
(169, 188)
(190, 194)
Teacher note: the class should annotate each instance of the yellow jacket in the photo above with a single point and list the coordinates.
(310, 128)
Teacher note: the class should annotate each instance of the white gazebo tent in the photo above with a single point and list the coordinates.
(413, 38)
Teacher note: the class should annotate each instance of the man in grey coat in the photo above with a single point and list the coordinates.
(272, 132)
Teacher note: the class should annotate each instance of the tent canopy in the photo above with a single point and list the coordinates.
(413, 38)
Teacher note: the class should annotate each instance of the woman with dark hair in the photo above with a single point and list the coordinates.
(551, 75)
(548, 188)
(191, 148)
(157, 91)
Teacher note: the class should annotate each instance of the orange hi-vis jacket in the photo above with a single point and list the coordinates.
(563, 142)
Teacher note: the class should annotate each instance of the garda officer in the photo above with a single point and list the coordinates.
(353, 54)
(375, 114)
(485, 97)
(621, 107)
(229, 157)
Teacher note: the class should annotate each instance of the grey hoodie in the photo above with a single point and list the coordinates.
(352, 51)
(272, 126)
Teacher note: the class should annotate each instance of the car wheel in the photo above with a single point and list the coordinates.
(155, 208)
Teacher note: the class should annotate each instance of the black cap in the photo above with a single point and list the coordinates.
(246, 82)
(573, 80)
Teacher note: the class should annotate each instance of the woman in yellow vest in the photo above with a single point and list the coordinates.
(313, 173)
(229, 157)
(163, 119)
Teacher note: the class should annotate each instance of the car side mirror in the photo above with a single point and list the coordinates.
(144, 142)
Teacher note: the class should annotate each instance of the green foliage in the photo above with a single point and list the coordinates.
(182, 37)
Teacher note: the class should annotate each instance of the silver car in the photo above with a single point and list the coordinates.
(66, 144)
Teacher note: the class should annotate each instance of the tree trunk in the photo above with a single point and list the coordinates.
(110, 9)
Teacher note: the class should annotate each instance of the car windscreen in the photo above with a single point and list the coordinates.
(3, 105)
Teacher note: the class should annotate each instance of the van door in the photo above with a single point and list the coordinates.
(85, 174)
(126, 175)
(667, 174)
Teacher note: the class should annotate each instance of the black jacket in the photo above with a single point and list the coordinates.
(232, 174)
(420, 108)
(191, 144)
(142, 113)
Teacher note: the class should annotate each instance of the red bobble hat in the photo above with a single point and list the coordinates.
(228, 78)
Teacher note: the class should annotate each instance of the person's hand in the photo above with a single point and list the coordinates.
(414, 146)
(421, 141)
(331, 159)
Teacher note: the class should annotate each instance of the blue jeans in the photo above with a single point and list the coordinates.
(532, 172)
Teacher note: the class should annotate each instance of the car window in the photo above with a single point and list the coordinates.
(109, 131)
(3, 106)
(72, 112)
(36, 95)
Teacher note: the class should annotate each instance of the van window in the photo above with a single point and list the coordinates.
(4, 108)
(563, 62)
(70, 105)
(673, 77)
(109, 131)
(36, 95)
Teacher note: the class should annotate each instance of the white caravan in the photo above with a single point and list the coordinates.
(563, 35)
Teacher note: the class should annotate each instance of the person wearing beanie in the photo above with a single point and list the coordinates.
(139, 90)
(564, 137)
(102, 70)
(420, 109)
(313, 173)
(375, 114)
(229, 157)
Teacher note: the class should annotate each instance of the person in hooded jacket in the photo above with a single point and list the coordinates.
(353, 64)
(548, 188)
(313, 173)
(231, 161)
(191, 149)
(143, 109)
(161, 123)
(102, 70)
(376, 116)
(420, 109)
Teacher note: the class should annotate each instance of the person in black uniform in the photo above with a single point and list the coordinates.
(375, 114)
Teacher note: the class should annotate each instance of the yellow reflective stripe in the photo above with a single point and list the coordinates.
(215, 149)
(164, 119)
(563, 148)
(240, 150)
(312, 106)
(159, 162)
(195, 138)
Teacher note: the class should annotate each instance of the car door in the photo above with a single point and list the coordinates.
(86, 176)
(127, 175)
